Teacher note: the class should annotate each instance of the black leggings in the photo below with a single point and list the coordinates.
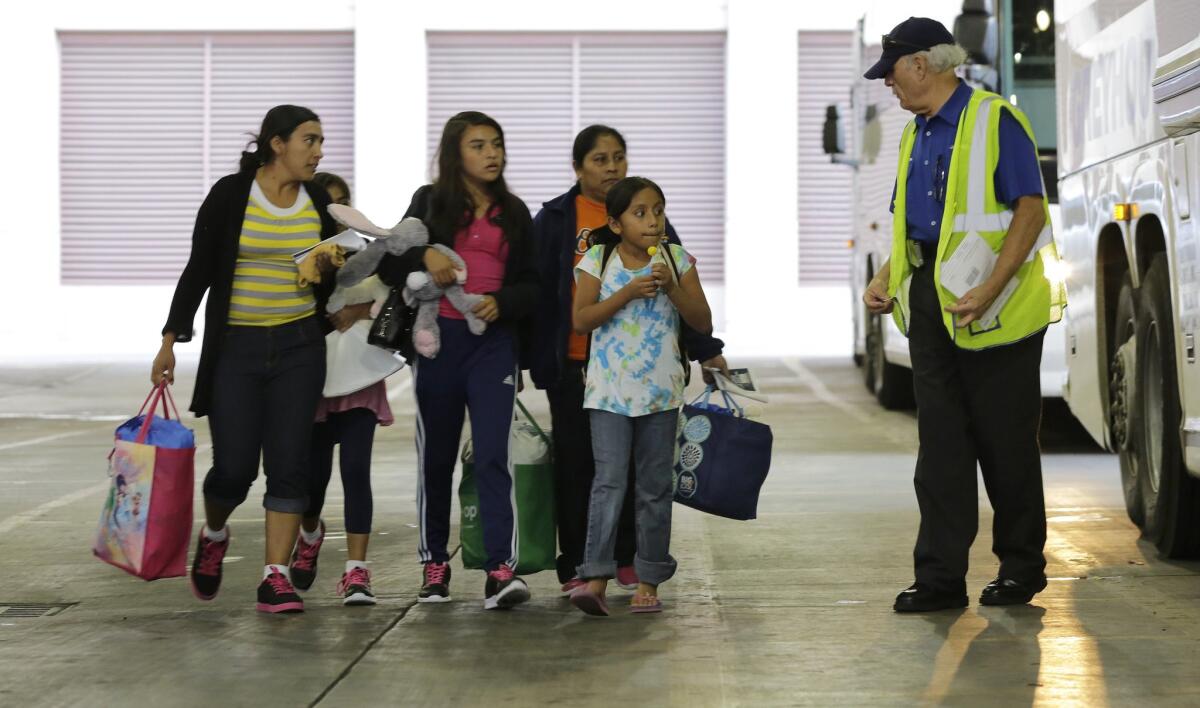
(354, 430)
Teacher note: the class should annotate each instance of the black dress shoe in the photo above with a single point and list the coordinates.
(919, 598)
(1006, 591)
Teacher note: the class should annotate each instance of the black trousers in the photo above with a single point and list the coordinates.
(975, 408)
(266, 387)
(574, 469)
(354, 432)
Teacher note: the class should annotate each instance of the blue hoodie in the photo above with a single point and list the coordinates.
(554, 235)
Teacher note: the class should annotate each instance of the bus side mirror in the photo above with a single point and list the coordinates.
(831, 137)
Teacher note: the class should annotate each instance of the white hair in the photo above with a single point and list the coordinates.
(943, 57)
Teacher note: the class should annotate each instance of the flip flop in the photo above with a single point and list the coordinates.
(646, 609)
(589, 602)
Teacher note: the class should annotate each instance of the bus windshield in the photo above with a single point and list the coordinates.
(1027, 72)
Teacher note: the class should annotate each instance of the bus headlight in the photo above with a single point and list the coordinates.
(1056, 269)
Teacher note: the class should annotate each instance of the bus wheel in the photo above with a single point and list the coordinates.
(891, 384)
(1124, 404)
(1169, 494)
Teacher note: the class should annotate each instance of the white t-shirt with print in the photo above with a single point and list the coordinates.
(634, 368)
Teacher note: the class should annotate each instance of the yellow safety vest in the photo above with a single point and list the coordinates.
(971, 208)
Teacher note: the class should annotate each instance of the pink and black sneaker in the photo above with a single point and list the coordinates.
(503, 589)
(436, 587)
(355, 587)
(304, 560)
(206, 566)
(276, 594)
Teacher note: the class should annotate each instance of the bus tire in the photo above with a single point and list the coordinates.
(1169, 495)
(1124, 402)
(891, 384)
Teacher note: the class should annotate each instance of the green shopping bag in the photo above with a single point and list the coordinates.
(533, 475)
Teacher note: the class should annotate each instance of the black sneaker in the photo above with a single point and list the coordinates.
(206, 566)
(304, 560)
(355, 587)
(277, 594)
(437, 583)
(503, 589)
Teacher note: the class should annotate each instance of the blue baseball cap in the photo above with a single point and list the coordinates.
(916, 34)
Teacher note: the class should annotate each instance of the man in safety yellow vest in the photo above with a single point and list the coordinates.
(966, 283)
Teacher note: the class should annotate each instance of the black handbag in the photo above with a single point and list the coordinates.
(393, 328)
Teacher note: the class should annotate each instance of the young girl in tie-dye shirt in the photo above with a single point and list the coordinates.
(631, 301)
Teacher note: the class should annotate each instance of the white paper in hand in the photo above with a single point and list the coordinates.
(739, 383)
(988, 319)
(970, 264)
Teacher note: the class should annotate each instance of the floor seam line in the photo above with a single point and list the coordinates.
(367, 649)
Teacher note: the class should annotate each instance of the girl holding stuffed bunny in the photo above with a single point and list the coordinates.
(355, 402)
(630, 296)
(470, 209)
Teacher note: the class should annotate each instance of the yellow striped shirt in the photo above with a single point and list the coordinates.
(265, 290)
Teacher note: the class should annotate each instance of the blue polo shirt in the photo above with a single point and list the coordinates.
(1017, 171)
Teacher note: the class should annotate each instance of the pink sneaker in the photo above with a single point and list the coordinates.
(304, 560)
(627, 578)
(206, 565)
(572, 585)
(276, 594)
(355, 587)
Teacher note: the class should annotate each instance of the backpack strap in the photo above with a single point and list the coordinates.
(609, 249)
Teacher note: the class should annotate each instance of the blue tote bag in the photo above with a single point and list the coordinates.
(722, 458)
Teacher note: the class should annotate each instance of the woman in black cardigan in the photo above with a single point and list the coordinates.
(262, 364)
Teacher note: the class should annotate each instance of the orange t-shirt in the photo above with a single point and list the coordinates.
(589, 216)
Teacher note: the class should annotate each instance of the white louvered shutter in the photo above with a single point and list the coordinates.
(131, 145)
(251, 73)
(524, 82)
(666, 94)
(138, 111)
(824, 188)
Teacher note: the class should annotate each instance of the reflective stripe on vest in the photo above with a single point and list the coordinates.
(977, 219)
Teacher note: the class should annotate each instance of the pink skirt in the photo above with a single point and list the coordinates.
(373, 398)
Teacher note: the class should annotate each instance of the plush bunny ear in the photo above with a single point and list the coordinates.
(353, 218)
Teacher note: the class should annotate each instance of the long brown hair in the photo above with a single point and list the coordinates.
(451, 206)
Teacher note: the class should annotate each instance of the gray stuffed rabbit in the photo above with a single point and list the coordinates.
(419, 287)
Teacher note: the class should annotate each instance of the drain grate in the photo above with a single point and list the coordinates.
(29, 610)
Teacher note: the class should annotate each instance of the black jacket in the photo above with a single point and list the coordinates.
(517, 296)
(210, 268)
(554, 232)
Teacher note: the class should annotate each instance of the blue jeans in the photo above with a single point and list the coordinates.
(265, 392)
(652, 441)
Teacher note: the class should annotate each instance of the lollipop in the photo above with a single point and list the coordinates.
(652, 250)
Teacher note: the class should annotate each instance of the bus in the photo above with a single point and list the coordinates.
(1128, 89)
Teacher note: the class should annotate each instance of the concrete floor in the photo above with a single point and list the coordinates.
(791, 609)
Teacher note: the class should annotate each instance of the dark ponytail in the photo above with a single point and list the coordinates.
(280, 121)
